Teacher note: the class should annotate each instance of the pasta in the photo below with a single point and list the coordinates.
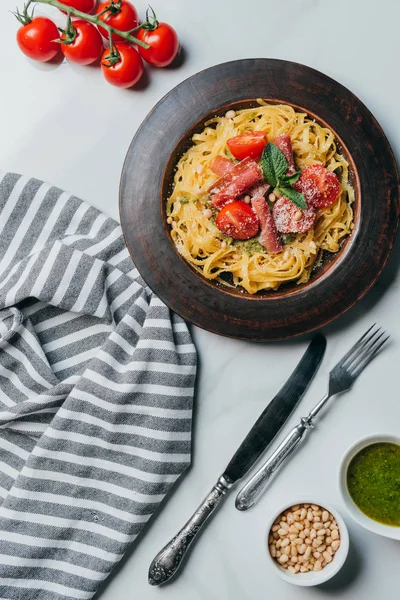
(247, 264)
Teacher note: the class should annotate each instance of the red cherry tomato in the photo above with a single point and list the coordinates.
(238, 220)
(86, 6)
(36, 39)
(163, 42)
(124, 20)
(319, 186)
(87, 45)
(127, 71)
(286, 216)
(249, 144)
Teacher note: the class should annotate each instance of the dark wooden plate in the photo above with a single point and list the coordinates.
(147, 175)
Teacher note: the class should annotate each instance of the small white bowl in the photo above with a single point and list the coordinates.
(312, 577)
(353, 510)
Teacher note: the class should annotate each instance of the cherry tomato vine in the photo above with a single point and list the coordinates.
(81, 38)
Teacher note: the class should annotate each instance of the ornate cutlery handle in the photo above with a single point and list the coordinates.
(168, 561)
(251, 492)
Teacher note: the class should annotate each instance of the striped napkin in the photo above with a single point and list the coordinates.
(96, 390)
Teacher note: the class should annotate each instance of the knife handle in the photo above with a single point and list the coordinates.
(252, 491)
(168, 561)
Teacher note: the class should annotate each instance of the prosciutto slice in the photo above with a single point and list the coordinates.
(235, 182)
(221, 165)
(269, 237)
(259, 189)
(284, 144)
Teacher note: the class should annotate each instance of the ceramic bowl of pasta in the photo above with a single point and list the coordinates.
(262, 195)
(259, 199)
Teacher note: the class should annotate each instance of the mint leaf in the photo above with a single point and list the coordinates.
(295, 197)
(273, 163)
(289, 179)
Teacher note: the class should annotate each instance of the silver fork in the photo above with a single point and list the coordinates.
(341, 378)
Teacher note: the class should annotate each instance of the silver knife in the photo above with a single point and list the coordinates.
(168, 561)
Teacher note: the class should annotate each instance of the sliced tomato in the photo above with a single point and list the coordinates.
(248, 145)
(238, 220)
(319, 186)
(291, 219)
(221, 165)
(269, 237)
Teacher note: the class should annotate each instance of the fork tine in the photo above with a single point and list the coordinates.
(366, 349)
(369, 357)
(355, 347)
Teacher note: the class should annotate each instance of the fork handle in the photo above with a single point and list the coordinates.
(252, 491)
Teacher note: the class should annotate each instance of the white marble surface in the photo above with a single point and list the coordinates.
(64, 124)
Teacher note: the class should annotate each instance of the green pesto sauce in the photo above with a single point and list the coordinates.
(251, 246)
(373, 481)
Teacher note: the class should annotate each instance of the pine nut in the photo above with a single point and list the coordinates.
(207, 213)
(285, 543)
(291, 569)
(292, 536)
(310, 516)
(334, 534)
(322, 548)
(307, 524)
(299, 526)
(327, 556)
(293, 529)
(297, 567)
(308, 541)
(325, 515)
(283, 558)
(294, 559)
(317, 566)
(321, 531)
(230, 114)
(278, 543)
(272, 197)
(303, 569)
(302, 549)
(317, 554)
(284, 525)
(317, 526)
(302, 535)
(303, 514)
(293, 551)
(316, 543)
(298, 541)
(270, 538)
(169, 220)
(335, 545)
(247, 199)
(314, 506)
(328, 540)
(307, 531)
(278, 553)
(327, 524)
(313, 534)
(275, 535)
(307, 553)
(282, 531)
(272, 550)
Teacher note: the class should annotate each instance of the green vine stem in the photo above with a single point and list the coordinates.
(126, 35)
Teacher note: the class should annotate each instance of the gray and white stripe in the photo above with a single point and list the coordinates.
(96, 392)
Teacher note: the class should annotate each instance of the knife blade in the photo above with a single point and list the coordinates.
(168, 560)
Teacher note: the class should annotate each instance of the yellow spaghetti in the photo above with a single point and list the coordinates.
(213, 254)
